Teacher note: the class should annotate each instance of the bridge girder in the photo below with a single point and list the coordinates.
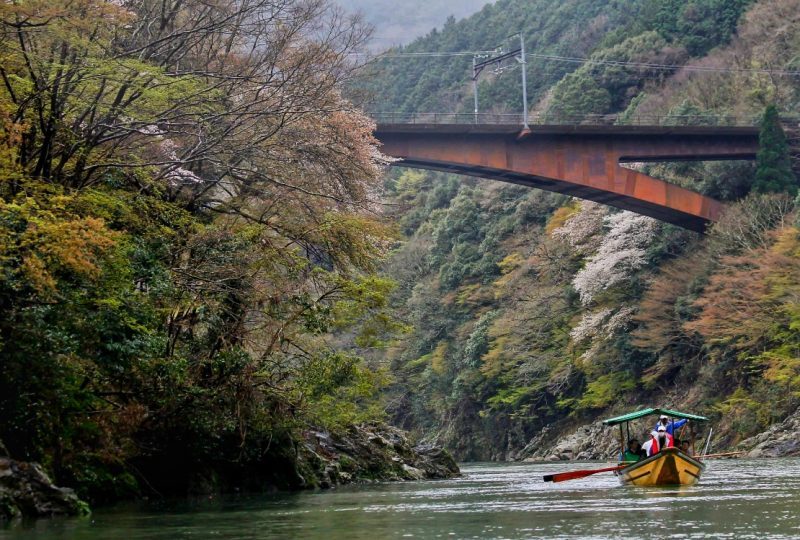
(581, 161)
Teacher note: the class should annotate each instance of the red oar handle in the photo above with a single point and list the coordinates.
(572, 475)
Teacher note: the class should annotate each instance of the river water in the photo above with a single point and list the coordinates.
(737, 499)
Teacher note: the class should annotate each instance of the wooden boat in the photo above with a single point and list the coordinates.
(670, 466)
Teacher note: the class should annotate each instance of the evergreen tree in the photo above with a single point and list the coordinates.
(773, 167)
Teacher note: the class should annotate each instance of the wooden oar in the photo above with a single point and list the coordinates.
(573, 475)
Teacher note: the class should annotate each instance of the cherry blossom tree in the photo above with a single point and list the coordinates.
(620, 254)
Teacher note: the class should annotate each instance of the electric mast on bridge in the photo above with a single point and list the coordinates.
(518, 54)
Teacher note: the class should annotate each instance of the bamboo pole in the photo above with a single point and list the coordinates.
(724, 454)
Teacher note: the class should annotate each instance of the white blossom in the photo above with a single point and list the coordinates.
(602, 324)
(589, 325)
(151, 129)
(167, 150)
(179, 175)
(619, 321)
(599, 326)
(581, 229)
(620, 254)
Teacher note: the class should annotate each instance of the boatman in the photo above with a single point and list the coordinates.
(658, 441)
(663, 421)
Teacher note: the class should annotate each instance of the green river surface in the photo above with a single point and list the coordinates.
(735, 499)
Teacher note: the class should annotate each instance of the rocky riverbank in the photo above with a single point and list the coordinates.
(26, 490)
(597, 442)
(780, 440)
(361, 454)
(370, 453)
(588, 442)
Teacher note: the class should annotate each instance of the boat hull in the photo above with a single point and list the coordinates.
(670, 467)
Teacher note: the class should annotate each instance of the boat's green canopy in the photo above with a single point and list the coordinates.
(647, 412)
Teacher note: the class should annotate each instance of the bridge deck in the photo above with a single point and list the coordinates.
(579, 160)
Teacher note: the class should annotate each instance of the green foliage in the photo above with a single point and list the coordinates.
(338, 390)
(488, 371)
(439, 84)
(687, 114)
(773, 166)
(699, 25)
(597, 88)
(747, 414)
(365, 306)
(477, 344)
(605, 391)
(463, 242)
(652, 31)
(174, 258)
(578, 95)
(75, 325)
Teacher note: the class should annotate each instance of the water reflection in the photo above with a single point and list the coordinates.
(736, 499)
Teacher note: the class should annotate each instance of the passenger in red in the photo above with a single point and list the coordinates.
(659, 441)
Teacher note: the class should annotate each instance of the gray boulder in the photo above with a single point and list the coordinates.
(780, 440)
(369, 453)
(26, 490)
(589, 442)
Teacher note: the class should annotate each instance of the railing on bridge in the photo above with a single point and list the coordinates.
(559, 120)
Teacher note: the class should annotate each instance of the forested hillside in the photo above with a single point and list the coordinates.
(182, 219)
(527, 309)
(208, 281)
(646, 31)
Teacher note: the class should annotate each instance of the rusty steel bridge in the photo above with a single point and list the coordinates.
(578, 157)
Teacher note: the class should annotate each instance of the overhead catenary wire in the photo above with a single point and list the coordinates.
(424, 54)
(651, 65)
(579, 60)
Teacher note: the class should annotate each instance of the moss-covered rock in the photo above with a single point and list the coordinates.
(587, 442)
(780, 440)
(26, 490)
(369, 453)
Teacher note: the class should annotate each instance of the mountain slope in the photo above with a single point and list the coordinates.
(530, 310)
(573, 28)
